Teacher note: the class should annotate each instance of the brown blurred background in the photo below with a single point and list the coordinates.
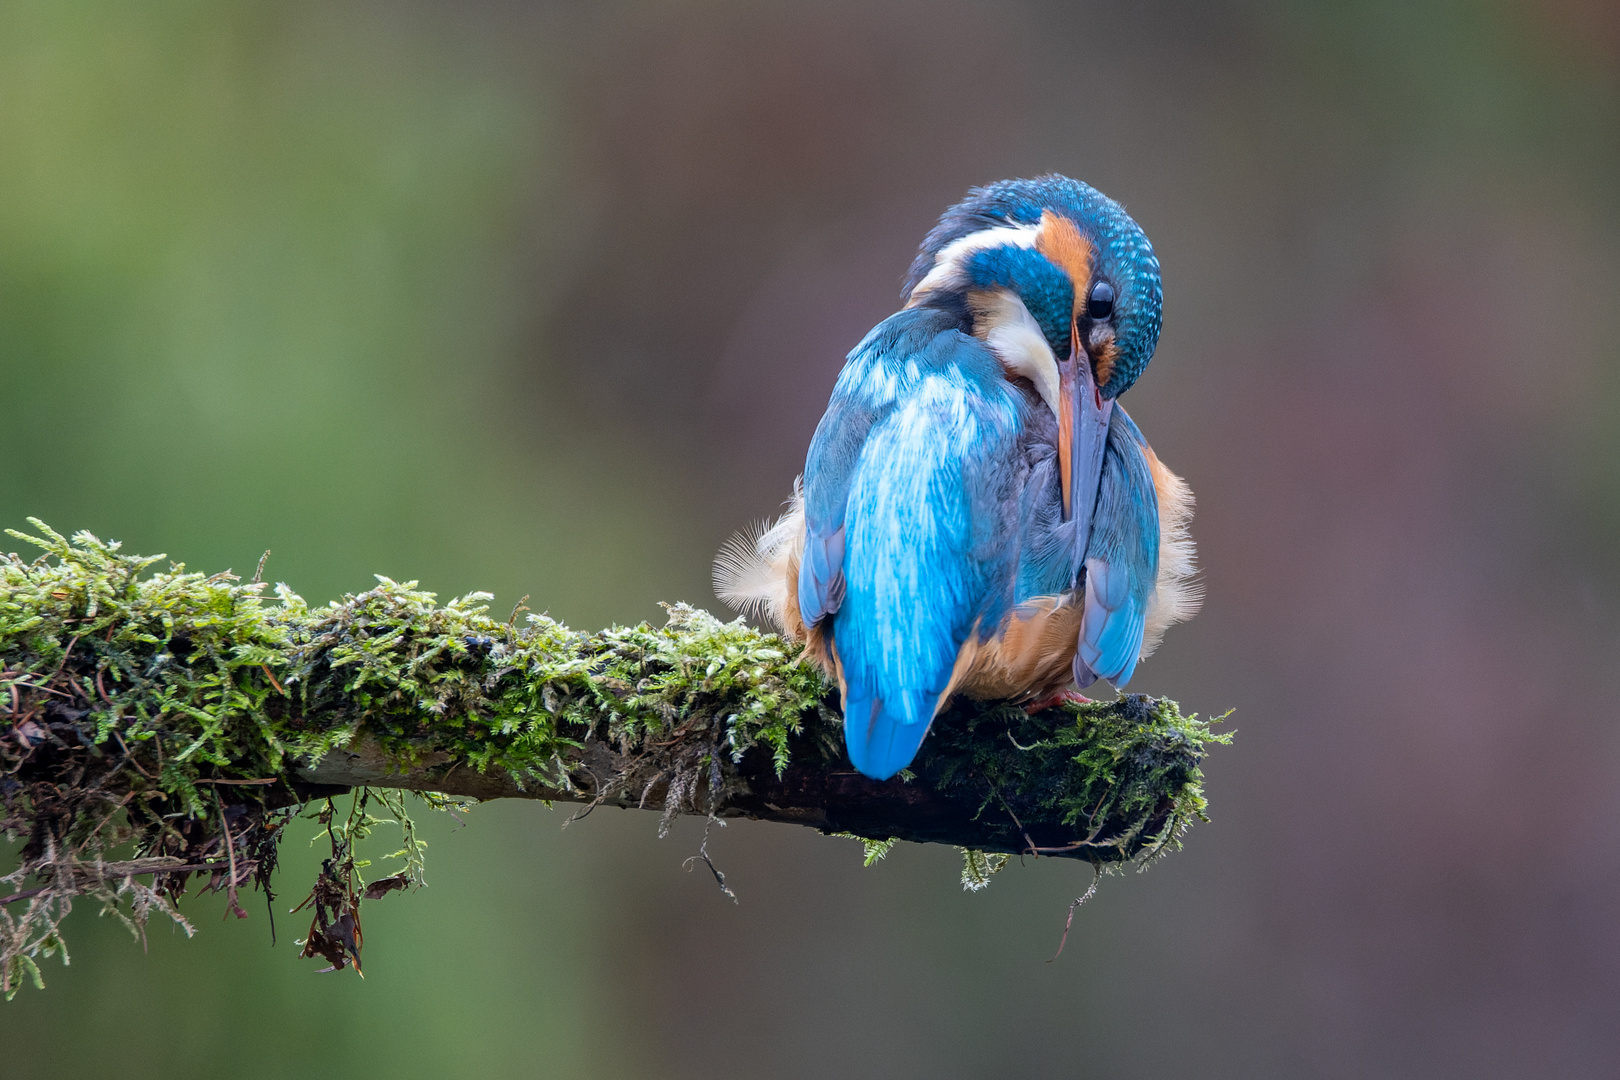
(547, 299)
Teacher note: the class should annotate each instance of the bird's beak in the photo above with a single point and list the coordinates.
(1082, 434)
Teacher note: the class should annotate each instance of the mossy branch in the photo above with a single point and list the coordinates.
(184, 718)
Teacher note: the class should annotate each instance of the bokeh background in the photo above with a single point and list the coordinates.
(546, 299)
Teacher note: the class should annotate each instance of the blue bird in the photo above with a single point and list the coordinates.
(977, 514)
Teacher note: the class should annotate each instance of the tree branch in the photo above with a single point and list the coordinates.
(126, 695)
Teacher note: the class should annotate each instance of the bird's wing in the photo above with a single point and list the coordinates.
(928, 555)
(876, 374)
(1122, 560)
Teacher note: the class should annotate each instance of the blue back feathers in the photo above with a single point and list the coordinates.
(926, 506)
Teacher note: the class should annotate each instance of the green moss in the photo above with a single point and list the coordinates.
(1107, 781)
(163, 715)
(978, 867)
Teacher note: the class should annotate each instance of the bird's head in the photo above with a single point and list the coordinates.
(1064, 287)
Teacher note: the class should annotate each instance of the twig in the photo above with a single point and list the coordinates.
(41, 689)
(131, 757)
(1091, 890)
(24, 895)
(65, 654)
(1033, 850)
(117, 873)
(233, 905)
(703, 853)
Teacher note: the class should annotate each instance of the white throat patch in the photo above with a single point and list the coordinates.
(1002, 322)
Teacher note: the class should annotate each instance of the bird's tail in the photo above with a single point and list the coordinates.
(882, 736)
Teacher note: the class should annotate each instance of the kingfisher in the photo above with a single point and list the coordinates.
(977, 514)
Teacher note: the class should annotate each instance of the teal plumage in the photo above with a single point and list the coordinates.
(977, 516)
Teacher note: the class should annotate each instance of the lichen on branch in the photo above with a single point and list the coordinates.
(161, 724)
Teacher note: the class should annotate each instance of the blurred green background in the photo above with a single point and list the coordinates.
(546, 299)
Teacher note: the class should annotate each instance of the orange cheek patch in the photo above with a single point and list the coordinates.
(1106, 357)
(1060, 240)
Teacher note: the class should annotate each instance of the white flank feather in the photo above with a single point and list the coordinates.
(1176, 595)
(757, 568)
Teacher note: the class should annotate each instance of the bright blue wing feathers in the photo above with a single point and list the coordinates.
(1122, 560)
(924, 518)
(821, 574)
(874, 376)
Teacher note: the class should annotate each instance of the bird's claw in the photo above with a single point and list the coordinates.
(1052, 701)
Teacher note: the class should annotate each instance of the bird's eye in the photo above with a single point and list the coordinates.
(1100, 304)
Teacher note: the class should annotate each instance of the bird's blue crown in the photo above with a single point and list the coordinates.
(1121, 256)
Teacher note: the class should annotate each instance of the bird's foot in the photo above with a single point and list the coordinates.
(1051, 701)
